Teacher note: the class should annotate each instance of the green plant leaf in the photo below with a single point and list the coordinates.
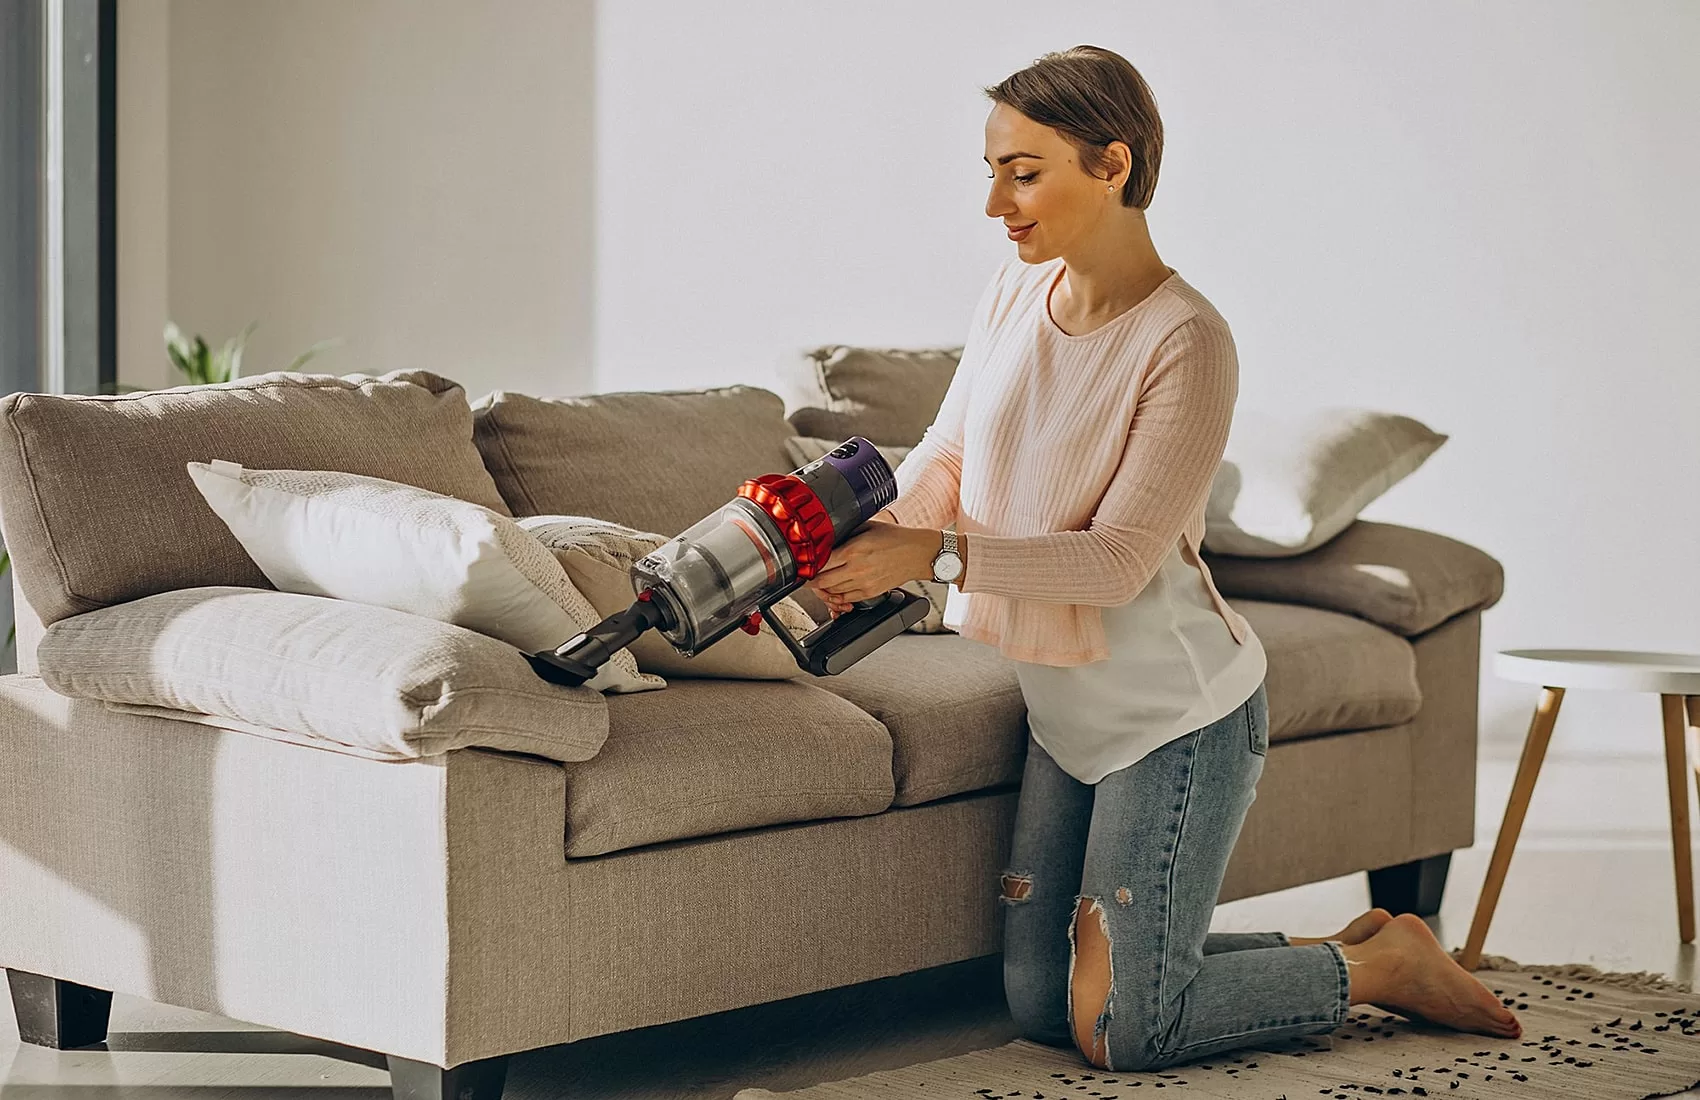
(321, 346)
(235, 365)
(200, 367)
(219, 369)
(190, 358)
(202, 361)
(177, 348)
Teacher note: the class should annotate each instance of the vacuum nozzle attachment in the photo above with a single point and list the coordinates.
(577, 660)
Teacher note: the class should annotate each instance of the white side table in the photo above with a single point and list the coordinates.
(1676, 679)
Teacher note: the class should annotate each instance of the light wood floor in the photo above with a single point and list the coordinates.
(1591, 882)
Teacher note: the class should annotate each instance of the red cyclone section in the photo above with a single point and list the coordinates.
(799, 514)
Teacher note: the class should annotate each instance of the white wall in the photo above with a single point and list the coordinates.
(413, 176)
(1479, 215)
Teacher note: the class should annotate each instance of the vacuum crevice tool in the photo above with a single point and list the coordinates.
(580, 657)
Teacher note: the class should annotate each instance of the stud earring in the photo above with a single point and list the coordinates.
(1112, 187)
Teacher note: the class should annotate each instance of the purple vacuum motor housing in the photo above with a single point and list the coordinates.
(853, 481)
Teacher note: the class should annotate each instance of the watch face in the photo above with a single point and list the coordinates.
(947, 567)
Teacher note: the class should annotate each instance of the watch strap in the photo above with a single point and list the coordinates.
(949, 547)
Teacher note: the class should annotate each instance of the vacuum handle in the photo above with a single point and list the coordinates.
(830, 649)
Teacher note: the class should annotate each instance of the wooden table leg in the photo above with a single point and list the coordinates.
(1676, 778)
(1694, 735)
(1694, 728)
(1528, 767)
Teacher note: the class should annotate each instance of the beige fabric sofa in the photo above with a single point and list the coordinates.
(732, 842)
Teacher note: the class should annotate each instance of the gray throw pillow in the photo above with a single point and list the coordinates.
(886, 395)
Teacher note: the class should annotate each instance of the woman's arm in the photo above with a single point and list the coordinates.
(1179, 432)
(930, 479)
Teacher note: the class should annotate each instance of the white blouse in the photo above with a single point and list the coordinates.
(1173, 668)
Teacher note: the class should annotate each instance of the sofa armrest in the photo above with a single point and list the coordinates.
(360, 679)
(1407, 580)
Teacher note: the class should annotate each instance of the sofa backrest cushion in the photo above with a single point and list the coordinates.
(97, 507)
(655, 461)
(1401, 578)
(885, 395)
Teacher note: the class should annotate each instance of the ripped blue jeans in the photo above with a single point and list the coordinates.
(1150, 844)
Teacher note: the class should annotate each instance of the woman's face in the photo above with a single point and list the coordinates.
(1047, 203)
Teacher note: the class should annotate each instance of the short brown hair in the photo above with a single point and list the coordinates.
(1092, 96)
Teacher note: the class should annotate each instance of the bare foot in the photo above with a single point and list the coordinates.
(1360, 929)
(1404, 968)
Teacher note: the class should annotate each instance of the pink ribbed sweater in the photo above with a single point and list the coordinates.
(1073, 463)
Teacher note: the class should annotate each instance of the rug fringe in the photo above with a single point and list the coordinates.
(1639, 981)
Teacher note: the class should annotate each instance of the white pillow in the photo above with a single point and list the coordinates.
(363, 539)
(1288, 484)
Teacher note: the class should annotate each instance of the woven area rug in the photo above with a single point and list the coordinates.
(1586, 1035)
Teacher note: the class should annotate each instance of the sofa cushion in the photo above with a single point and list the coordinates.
(1407, 580)
(1330, 673)
(953, 706)
(885, 395)
(711, 756)
(653, 461)
(97, 508)
(958, 721)
(364, 680)
(364, 539)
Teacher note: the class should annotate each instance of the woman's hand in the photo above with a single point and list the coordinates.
(875, 560)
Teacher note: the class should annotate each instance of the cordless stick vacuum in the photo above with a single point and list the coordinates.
(728, 570)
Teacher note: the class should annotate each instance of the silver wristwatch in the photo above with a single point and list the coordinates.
(947, 565)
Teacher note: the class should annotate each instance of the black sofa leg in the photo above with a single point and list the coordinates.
(471, 1081)
(1414, 887)
(56, 1014)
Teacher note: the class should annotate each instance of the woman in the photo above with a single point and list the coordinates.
(1074, 452)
